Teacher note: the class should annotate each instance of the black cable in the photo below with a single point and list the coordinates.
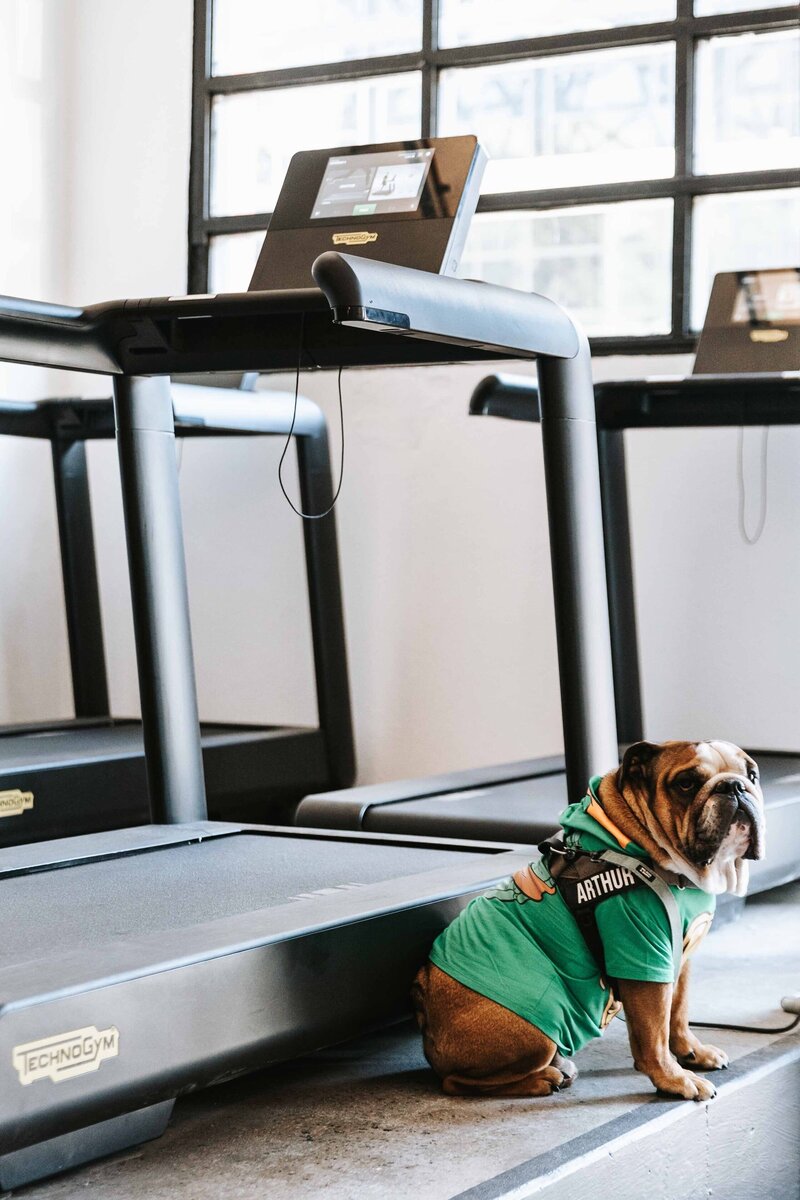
(746, 1028)
(748, 538)
(329, 509)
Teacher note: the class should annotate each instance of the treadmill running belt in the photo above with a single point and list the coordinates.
(181, 886)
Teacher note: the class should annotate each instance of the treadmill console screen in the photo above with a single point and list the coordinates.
(360, 185)
(752, 324)
(407, 202)
(768, 297)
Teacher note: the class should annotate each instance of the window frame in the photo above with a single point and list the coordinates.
(685, 30)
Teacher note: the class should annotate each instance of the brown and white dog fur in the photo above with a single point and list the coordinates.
(697, 809)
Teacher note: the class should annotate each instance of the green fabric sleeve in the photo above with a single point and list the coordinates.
(636, 936)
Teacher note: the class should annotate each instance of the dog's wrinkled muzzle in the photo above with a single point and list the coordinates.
(744, 808)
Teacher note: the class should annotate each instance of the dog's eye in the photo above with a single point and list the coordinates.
(752, 774)
(686, 782)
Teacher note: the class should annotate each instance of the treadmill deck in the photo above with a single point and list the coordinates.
(174, 887)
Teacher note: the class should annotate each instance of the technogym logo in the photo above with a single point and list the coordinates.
(65, 1055)
(359, 238)
(769, 335)
(13, 802)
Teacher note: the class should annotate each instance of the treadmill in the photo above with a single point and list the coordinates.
(86, 774)
(137, 964)
(522, 801)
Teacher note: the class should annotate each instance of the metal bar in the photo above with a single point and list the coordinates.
(79, 576)
(643, 34)
(325, 609)
(151, 506)
(349, 69)
(601, 347)
(242, 223)
(684, 160)
(644, 189)
(430, 80)
(200, 155)
(572, 479)
(621, 593)
(613, 38)
(781, 16)
(570, 197)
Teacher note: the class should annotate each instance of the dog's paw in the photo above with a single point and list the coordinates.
(699, 1057)
(569, 1071)
(687, 1085)
(552, 1079)
(705, 1058)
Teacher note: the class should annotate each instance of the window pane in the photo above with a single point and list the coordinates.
(608, 264)
(250, 36)
(232, 260)
(467, 22)
(254, 134)
(748, 102)
(741, 231)
(566, 121)
(709, 8)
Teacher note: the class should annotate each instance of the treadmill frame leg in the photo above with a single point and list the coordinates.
(572, 478)
(157, 566)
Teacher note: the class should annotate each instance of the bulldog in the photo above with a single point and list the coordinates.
(512, 990)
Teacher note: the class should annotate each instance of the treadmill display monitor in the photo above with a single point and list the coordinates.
(767, 298)
(363, 185)
(752, 325)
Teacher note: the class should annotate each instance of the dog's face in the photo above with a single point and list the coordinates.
(702, 803)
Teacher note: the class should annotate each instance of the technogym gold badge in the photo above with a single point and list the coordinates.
(769, 335)
(65, 1055)
(13, 802)
(359, 237)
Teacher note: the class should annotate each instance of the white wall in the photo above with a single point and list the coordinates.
(441, 519)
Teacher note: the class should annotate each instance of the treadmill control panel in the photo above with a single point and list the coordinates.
(362, 185)
(408, 203)
(752, 324)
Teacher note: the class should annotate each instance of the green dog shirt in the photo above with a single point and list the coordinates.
(523, 949)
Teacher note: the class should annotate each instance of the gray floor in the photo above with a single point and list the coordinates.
(366, 1120)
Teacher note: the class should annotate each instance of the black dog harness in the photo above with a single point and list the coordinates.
(584, 878)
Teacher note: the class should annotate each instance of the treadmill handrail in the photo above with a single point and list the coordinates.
(711, 401)
(53, 335)
(158, 335)
(231, 410)
(196, 406)
(362, 291)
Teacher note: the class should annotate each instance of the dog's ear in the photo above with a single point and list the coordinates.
(636, 763)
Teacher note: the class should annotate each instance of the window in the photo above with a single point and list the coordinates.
(636, 146)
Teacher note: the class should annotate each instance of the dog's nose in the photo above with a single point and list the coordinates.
(730, 787)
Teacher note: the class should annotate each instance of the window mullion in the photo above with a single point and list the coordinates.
(430, 74)
(200, 151)
(684, 157)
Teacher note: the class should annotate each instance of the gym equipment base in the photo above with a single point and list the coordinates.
(366, 1120)
(232, 934)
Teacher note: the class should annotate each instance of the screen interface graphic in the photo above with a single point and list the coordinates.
(768, 297)
(363, 185)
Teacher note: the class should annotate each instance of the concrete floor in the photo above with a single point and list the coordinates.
(366, 1120)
